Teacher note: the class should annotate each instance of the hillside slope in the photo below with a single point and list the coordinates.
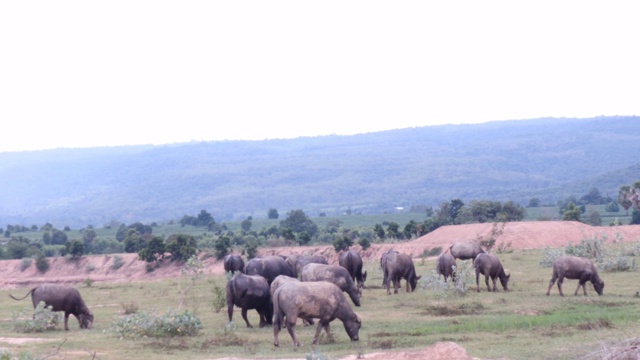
(521, 235)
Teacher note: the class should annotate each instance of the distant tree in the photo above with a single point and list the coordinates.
(222, 246)
(273, 214)
(204, 218)
(455, 208)
(443, 214)
(288, 234)
(66, 228)
(134, 241)
(251, 248)
(304, 238)
(512, 212)
(364, 243)
(571, 213)
(378, 230)
(75, 248)
(153, 250)
(593, 197)
(17, 247)
(298, 221)
(429, 211)
(594, 218)
(122, 232)
(89, 236)
(246, 224)
(612, 207)
(533, 203)
(342, 243)
(393, 230)
(181, 246)
(42, 263)
(410, 230)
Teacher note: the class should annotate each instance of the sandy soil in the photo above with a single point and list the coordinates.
(519, 235)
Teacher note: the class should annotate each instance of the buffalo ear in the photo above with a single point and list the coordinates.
(418, 277)
(357, 318)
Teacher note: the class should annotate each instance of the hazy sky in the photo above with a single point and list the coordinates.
(94, 73)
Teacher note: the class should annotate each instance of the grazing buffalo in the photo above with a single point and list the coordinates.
(250, 292)
(465, 251)
(490, 266)
(334, 274)
(297, 262)
(396, 267)
(445, 265)
(383, 261)
(269, 267)
(352, 261)
(62, 298)
(233, 263)
(278, 282)
(573, 267)
(321, 300)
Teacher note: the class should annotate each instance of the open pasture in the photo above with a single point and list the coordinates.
(523, 323)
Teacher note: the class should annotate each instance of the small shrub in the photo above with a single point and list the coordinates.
(549, 256)
(219, 301)
(90, 268)
(88, 282)
(143, 324)
(118, 262)
(42, 319)
(42, 263)
(25, 263)
(130, 308)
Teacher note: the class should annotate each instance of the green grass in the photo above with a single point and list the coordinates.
(523, 323)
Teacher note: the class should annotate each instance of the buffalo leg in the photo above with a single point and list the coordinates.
(66, 321)
(244, 316)
(551, 282)
(560, 280)
(321, 325)
(584, 288)
(291, 327)
(396, 285)
(494, 284)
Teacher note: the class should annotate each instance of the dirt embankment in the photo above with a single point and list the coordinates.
(519, 235)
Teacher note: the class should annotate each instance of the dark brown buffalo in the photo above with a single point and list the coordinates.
(352, 261)
(269, 267)
(399, 266)
(319, 299)
(233, 263)
(444, 266)
(62, 298)
(334, 274)
(465, 251)
(573, 267)
(250, 292)
(490, 266)
(297, 261)
(383, 261)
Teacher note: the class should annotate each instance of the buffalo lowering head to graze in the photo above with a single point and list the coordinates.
(250, 292)
(489, 265)
(62, 298)
(445, 265)
(334, 274)
(352, 261)
(233, 263)
(574, 267)
(269, 267)
(297, 261)
(319, 299)
(465, 251)
(399, 266)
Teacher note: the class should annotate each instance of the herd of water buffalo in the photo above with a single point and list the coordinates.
(282, 289)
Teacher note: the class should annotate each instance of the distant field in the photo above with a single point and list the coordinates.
(520, 324)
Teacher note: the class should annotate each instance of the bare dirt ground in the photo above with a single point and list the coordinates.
(519, 235)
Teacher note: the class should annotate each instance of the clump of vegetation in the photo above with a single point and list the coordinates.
(130, 308)
(25, 263)
(143, 324)
(464, 275)
(118, 262)
(88, 282)
(43, 319)
(219, 301)
(42, 263)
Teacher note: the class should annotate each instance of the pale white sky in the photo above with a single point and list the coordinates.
(95, 73)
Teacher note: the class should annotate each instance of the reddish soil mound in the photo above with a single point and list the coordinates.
(520, 235)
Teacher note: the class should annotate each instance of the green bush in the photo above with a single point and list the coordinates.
(219, 301)
(143, 324)
(118, 262)
(42, 319)
(42, 263)
(25, 263)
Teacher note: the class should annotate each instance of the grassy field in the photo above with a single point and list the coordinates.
(520, 324)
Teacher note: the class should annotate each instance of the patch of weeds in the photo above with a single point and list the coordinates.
(25, 263)
(224, 341)
(595, 325)
(88, 282)
(130, 308)
(118, 262)
(43, 319)
(385, 344)
(143, 324)
(90, 268)
(219, 301)
(168, 345)
(474, 308)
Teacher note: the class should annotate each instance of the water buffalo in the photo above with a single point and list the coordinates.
(62, 298)
(465, 251)
(269, 267)
(396, 267)
(334, 274)
(444, 266)
(281, 280)
(321, 300)
(233, 263)
(297, 262)
(383, 261)
(250, 292)
(490, 266)
(352, 261)
(573, 267)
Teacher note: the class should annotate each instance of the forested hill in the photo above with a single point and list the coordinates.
(371, 173)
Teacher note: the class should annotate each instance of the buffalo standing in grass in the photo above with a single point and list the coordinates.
(297, 262)
(269, 267)
(334, 274)
(399, 266)
(233, 263)
(62, 298)
(278, 282)
(250, 292)
(490, 266)
(465, 251)
(573, 267)
(383, 261)
(444, 266)
(319, 299)
(352, 261)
